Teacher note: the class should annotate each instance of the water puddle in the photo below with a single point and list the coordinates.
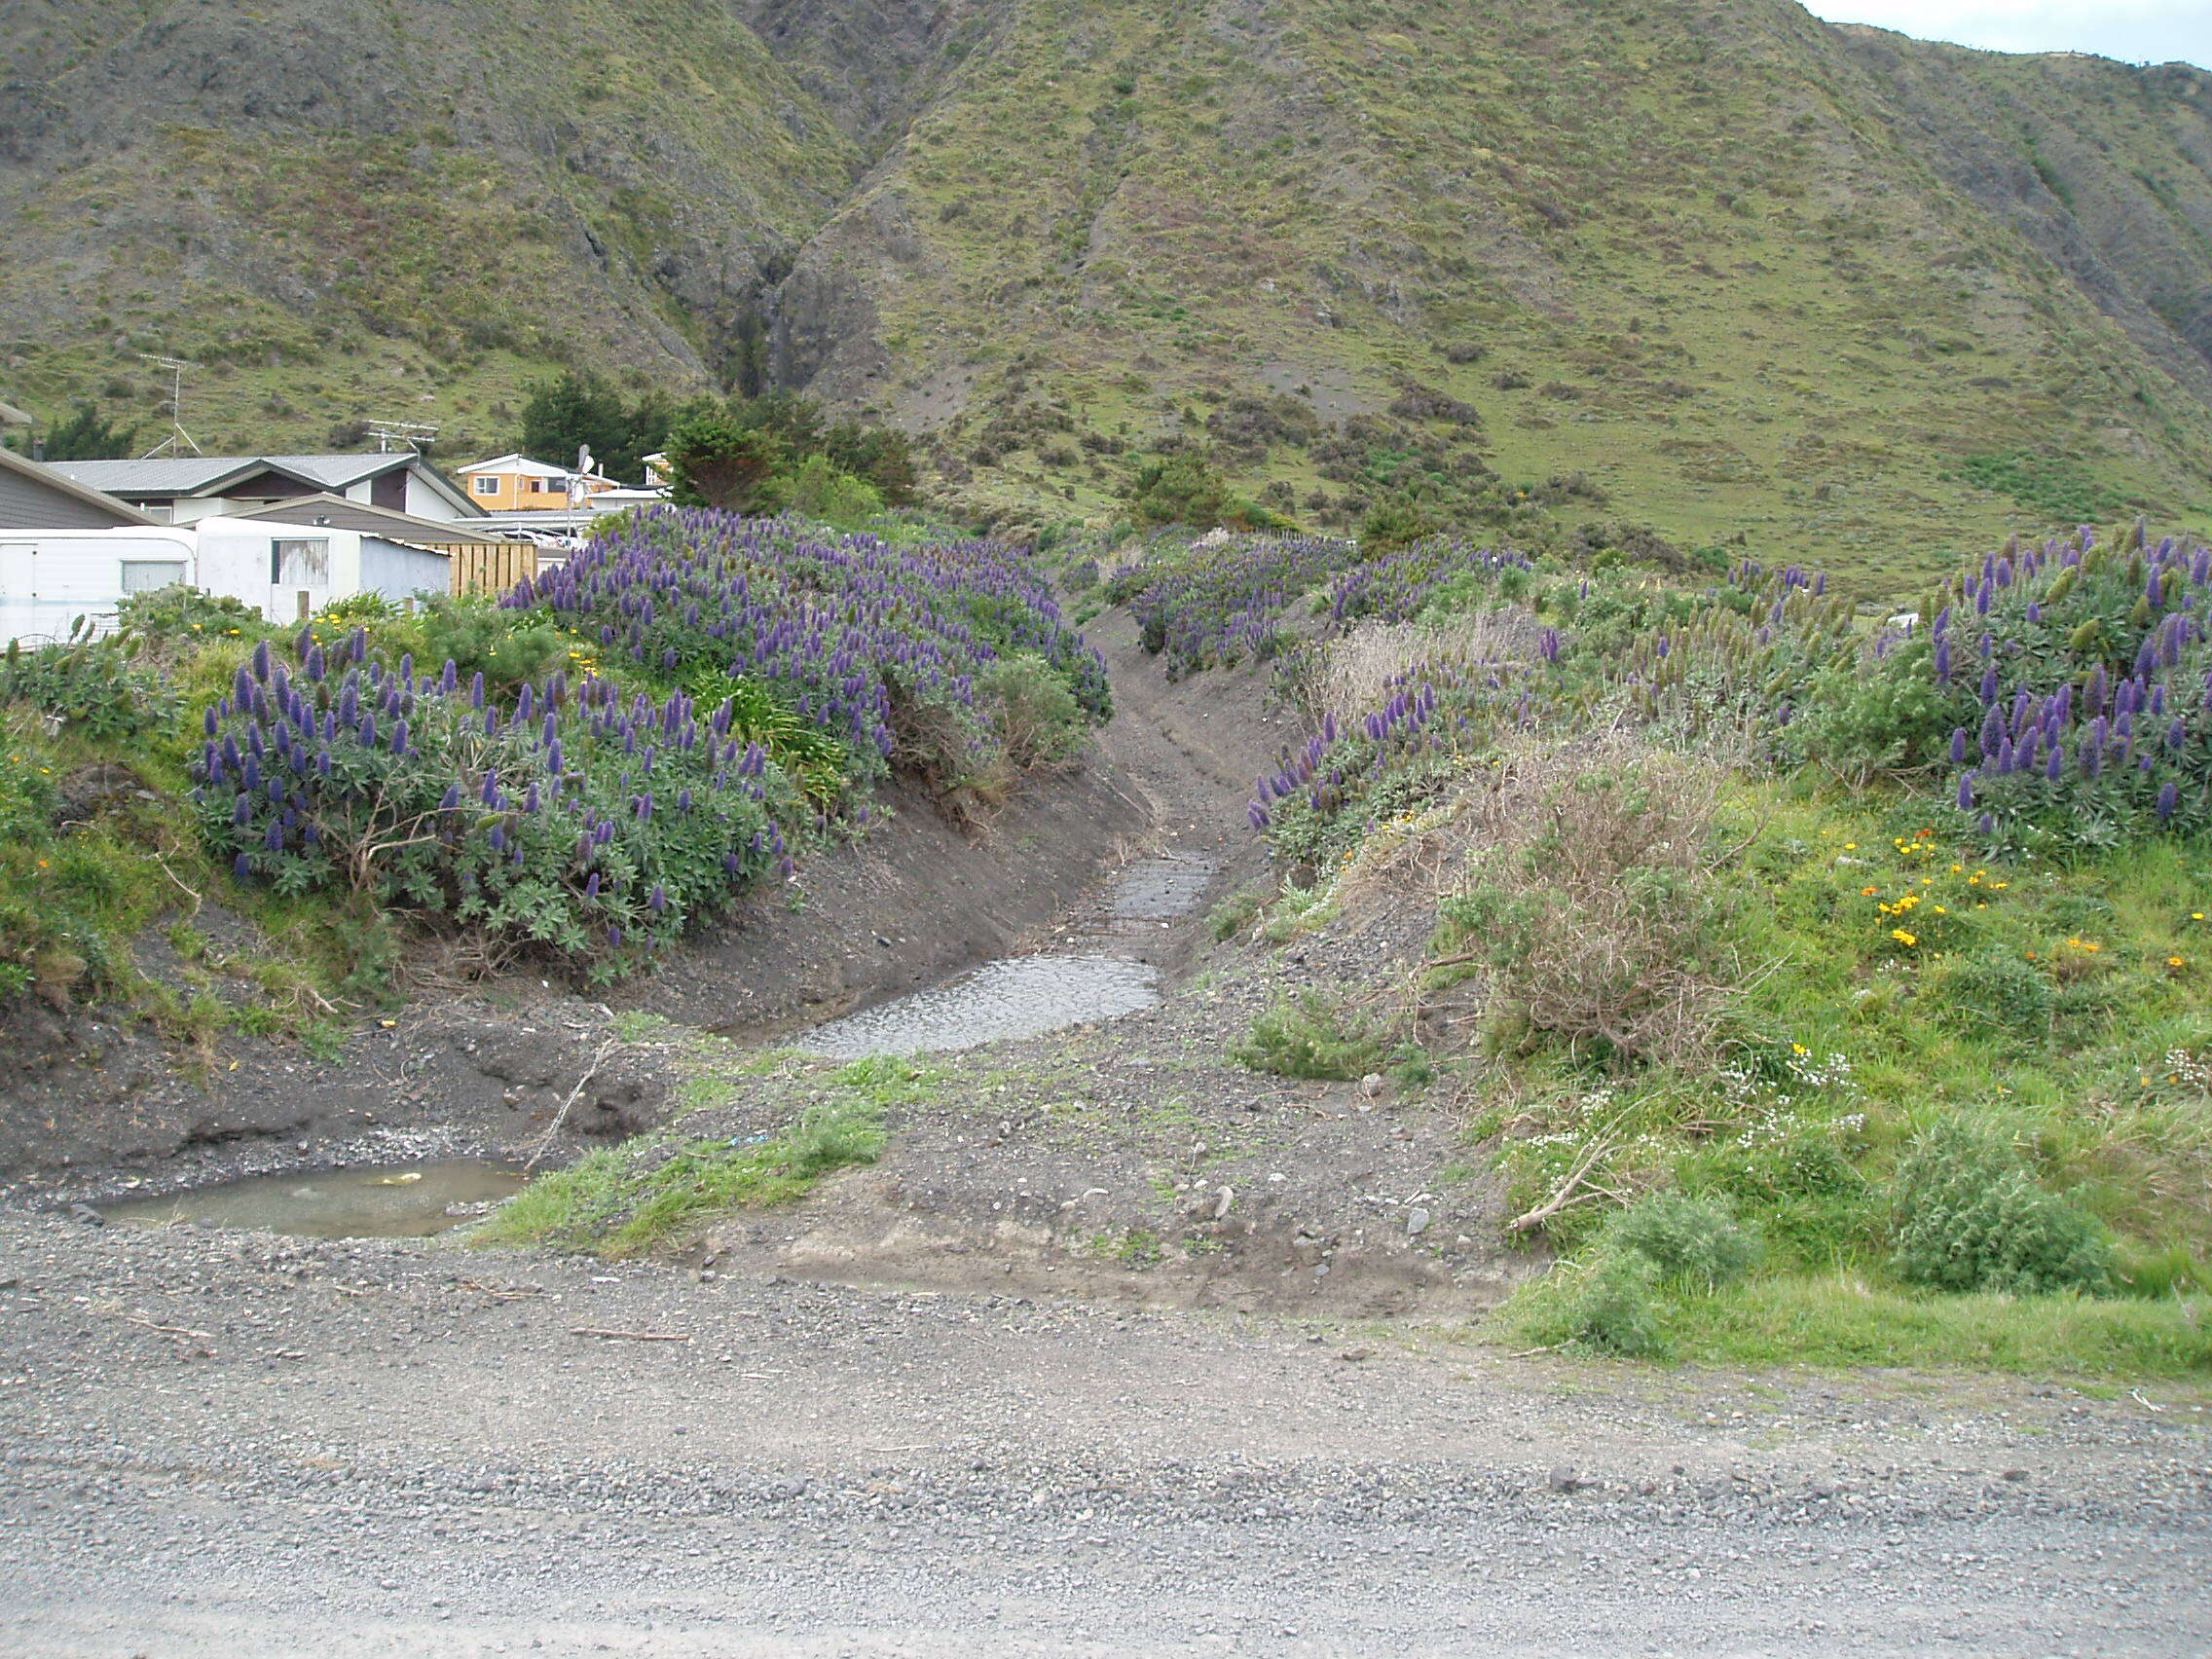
(1017, 996)
(399, 1201)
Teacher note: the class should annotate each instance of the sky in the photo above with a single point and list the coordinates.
(2132, 30)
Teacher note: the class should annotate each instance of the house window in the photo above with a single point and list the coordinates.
(144, 575)
(161, 512)
(547, 486)
(299, 564)
(485, 483)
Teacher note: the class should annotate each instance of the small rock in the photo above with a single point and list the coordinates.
(2016, 1474)
(90, 1216)
(1222, 1201)
(1356, 1355)
(1417, 1223)
(1824, 1488)
(1372, 1085)
(1565, 1479)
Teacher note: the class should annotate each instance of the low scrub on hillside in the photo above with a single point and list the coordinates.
(1872, 950)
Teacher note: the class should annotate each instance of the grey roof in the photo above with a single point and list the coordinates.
(163, 475)
(204, 475)
(341, 514)
(336, 471)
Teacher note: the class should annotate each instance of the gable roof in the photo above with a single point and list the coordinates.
(511, 463)
(171, 476)
(339, 513)
(54, 479)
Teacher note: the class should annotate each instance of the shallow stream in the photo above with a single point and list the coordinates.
(400, 1200)
(1093, 977)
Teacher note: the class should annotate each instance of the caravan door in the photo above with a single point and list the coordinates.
(299, 577)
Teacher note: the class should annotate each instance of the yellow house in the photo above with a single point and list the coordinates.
(515, 483)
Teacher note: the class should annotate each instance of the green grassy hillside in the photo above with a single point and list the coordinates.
(1719, 267)
(395, 212)
(1687, 250)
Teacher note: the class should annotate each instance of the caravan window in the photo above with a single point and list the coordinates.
(144, 575)
(299, 564)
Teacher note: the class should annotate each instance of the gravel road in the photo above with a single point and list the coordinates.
(226, 1443)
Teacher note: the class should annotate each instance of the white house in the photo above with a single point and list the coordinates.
(182, 488)
(289, 572)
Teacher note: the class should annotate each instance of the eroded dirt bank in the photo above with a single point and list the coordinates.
(86, 1103)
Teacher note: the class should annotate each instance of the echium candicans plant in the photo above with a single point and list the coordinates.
(869, 642)
(1217, 604)
(1394, 586)
(2075, 682)
(1742, 661)
(1355, 770)
(577, 819)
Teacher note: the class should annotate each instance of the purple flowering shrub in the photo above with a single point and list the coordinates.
(1215, 605)
(1736, 657)
(580, 820)
(1394, 586)
(2076, 685)
(1351, 775)
(875, 645)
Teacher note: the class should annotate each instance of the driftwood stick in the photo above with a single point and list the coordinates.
(631, 1336)
(561, 1117)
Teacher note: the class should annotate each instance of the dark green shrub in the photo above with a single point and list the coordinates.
(1693, 1240)
(1307, 1038)
(1970, 1215)
(1038, 717)
(510, 649)
(91, 685)
(1610, 1309)
(178, 612)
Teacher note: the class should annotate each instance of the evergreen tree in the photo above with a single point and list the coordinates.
(88, 435)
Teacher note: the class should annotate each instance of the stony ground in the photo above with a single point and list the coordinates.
(1029, 1387)
(231, 1444)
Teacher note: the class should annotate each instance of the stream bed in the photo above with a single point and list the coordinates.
(1015, 996)
(1095, 975)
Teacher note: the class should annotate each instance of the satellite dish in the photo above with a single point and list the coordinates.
(584, 458)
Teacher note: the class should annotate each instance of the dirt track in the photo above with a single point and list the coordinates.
(232, 1445)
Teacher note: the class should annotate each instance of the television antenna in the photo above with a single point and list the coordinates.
(179, 440)
(392, 436)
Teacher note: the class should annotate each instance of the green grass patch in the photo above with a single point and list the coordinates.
(1813, 1320)
(625, 1200)
(629, 1199)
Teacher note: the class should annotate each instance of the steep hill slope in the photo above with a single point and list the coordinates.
(1717, 265)
(1706, 254)
(344, 212)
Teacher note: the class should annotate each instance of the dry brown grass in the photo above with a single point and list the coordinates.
(1356, 672)
(1583, 907)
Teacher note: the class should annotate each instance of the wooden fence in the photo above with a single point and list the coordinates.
(487, 567)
